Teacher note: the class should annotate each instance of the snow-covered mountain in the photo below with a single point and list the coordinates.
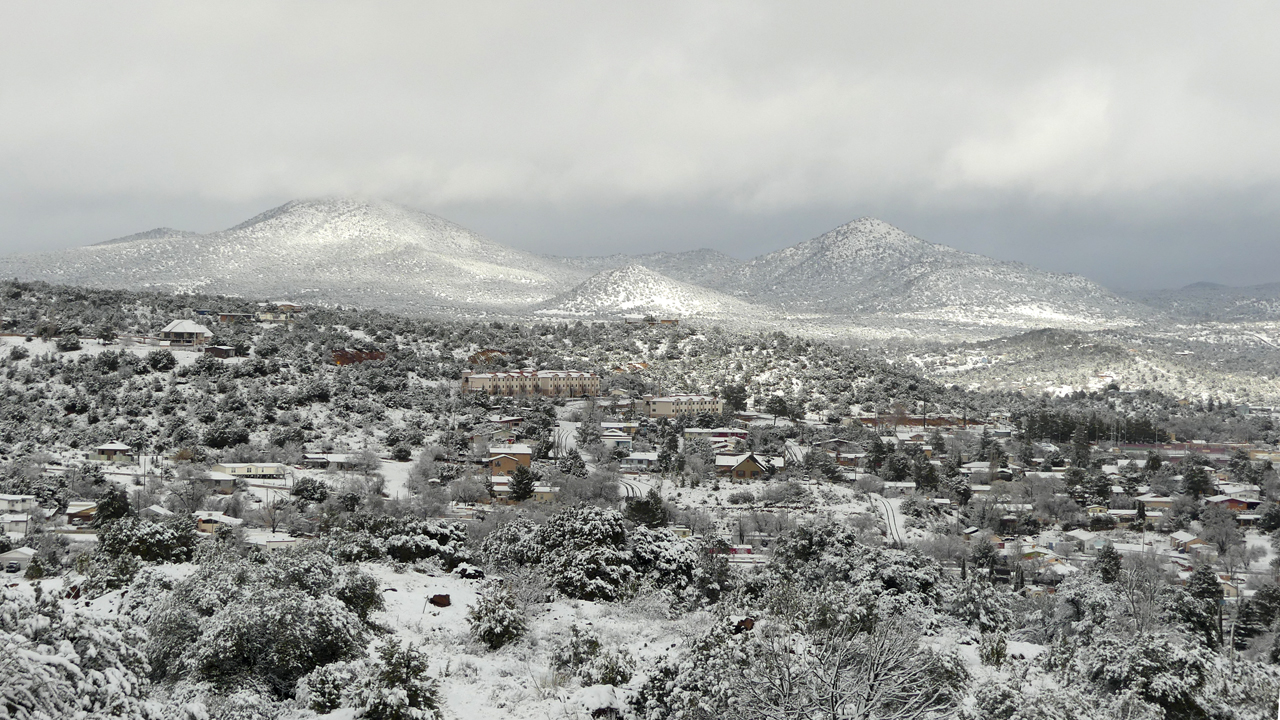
(356, 252)
(866, 275)
(1211, 302)
(871, 267)
(700, 267)
(635, 289)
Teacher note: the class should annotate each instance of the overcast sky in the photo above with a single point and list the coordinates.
(1135, 143)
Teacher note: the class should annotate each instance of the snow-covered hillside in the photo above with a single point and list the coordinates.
(701, 267)
(336, 250)
(1211, 302)
(870, 266)
(863, 279)
(635, 289)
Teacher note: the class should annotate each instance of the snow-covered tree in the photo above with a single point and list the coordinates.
(496, 619)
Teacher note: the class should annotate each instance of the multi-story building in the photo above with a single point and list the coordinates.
(669, 406)
(523, 383)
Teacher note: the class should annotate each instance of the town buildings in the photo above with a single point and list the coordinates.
(525, 383)
(669, 406)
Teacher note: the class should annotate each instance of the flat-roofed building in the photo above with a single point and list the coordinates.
(525, 383)
(670, 406)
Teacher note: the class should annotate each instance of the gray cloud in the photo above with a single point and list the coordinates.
(1124, 141)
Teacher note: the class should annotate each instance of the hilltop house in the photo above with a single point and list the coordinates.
(114, 451)
(185, 333)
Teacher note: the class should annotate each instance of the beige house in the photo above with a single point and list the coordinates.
(208, 521)
(255, 471)
(114, 451)
(670, 406)
(504, 459)
(524, 383)
(184, 332)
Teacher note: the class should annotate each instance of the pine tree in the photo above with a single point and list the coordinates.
(522, 482)
(1108, 564)
(648, 510)
(113, 504)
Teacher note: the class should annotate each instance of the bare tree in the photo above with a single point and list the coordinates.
(189, 488)
(839, 673)
(275, 512)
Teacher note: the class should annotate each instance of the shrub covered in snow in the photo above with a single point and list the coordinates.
(56, 664)
(496, 618)
(274, 620)
(369, 537)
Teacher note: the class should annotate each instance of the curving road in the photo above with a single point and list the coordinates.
(890, 520)
(630, 487)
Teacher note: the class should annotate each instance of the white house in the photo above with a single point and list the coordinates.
(616, 439)
(17, 503)
(638, 462)
(114, 451)
(20, 557)
(14, 523)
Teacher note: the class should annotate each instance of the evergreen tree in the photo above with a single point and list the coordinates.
(648, 510)
(1108, 564)
(113, 504)
(1197, 482)
(1081, 453)
(522, 482)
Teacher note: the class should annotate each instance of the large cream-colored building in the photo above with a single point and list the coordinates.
(522, 383)
(674, 405)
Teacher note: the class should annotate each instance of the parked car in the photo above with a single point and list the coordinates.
(12, 567)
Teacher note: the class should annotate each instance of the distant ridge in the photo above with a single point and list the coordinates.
(381, 255)
(635, 289)
(157, 234)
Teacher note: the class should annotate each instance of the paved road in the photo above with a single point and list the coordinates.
(632, 487)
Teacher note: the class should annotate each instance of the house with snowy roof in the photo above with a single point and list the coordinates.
(615, 439)
(254, 471)
(17, 503)
(208, 521)
(504, 459)
(14, 523)
(80, 512)
(1184, 541)
(748, 466)
(638, 462)
(20, 558)
(114, 451)
(185, 333)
